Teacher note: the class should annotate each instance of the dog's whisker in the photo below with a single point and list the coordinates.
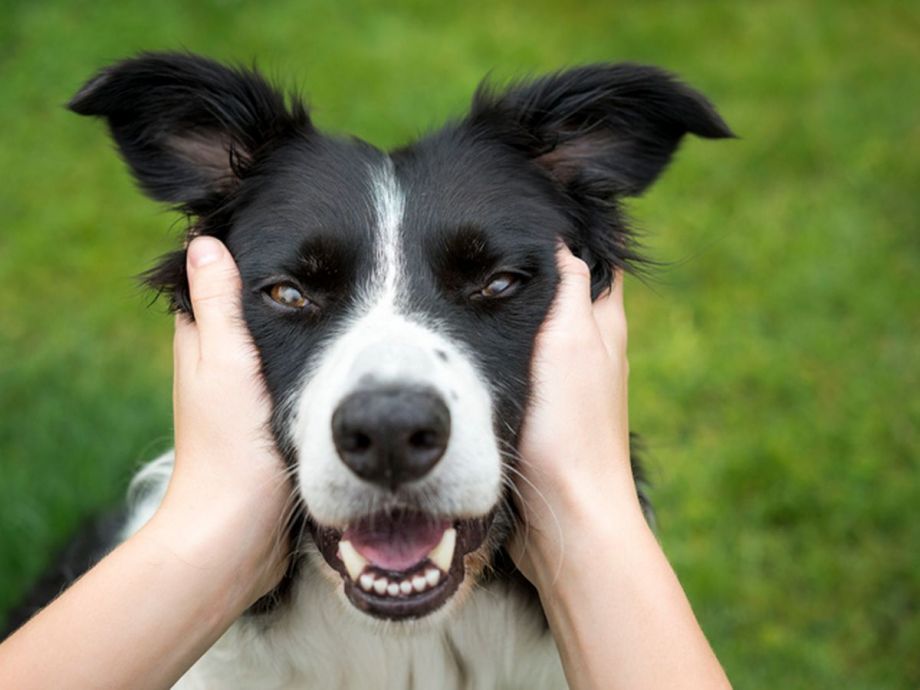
(552, 513)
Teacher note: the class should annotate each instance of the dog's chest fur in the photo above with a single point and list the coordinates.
(494, 640)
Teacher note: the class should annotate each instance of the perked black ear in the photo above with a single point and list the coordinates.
(600, 130)
(188, 127)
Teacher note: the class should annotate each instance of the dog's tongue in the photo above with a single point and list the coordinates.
(396, 543)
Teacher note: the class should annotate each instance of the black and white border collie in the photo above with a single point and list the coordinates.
(394, 298)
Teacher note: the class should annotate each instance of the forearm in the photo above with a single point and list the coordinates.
(619, 615)
(149, 610)
(139, 619)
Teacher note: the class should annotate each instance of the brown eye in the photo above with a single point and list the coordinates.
(500, 285)
(287, 295)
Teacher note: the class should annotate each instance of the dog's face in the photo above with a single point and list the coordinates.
(395, 297)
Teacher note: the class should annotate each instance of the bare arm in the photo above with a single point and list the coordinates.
(616, 609)
(152, 607)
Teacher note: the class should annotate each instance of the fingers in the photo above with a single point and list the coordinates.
(610, 316)
(214, 287)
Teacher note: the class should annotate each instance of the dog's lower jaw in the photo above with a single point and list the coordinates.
(415, 563)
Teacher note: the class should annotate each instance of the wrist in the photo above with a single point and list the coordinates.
(220, 541)
(590, 529)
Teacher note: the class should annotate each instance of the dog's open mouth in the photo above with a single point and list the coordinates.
(401, 565)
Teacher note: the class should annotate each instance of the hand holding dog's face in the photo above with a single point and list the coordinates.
(576, 471)
(229, 494)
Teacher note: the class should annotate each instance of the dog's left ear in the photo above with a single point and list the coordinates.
(600, 132)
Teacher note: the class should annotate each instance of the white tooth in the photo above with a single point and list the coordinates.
(380, 586)
(419, 582)
(367, 582)
(405, 587)
(392, 589)
(443, 553)
(354, 561)
(432, 577)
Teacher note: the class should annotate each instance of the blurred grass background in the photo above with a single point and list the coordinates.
(774, 361)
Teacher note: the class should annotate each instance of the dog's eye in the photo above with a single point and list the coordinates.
(288, 295)
(500, 285)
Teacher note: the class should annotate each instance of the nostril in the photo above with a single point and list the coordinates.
(425, 439)
(356, 442)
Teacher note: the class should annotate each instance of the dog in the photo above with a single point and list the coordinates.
(394, 299)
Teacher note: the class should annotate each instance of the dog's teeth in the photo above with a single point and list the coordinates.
(441, 556)
(354, 561)
(443, 553)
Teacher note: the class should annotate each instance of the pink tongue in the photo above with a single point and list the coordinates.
(396, 544)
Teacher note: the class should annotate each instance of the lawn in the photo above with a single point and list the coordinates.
(775, 357)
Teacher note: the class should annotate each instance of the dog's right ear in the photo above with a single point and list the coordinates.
(189, 127)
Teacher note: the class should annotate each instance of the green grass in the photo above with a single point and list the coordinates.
(774, 361)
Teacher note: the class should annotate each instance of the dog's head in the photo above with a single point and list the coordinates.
(394, 297)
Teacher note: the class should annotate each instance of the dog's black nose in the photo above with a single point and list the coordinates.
(390, 436)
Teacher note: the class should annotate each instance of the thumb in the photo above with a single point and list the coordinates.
(574, 293)
(610, 316)
(214, 287)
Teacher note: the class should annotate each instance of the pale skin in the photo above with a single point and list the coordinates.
(146, 612)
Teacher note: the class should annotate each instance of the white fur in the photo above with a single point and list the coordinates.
(491, 640)
(146, 492)
(389, 206)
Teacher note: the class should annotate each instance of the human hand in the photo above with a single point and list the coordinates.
(226, 501)
(575, 470)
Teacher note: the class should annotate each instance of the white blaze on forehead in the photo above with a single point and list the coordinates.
(389, 206)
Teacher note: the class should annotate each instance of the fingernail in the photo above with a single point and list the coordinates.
(203, 251)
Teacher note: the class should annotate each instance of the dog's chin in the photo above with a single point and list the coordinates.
(401, 565)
